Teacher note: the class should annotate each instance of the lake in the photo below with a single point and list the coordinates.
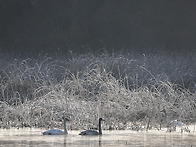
(34, 137)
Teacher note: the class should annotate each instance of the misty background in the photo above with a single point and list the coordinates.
(88, 26)
(125, 60)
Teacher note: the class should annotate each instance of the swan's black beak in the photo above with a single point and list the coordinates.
(163, 111)
(67, 119)
(101, 119)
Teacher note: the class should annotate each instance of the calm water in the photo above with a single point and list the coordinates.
(33, 137)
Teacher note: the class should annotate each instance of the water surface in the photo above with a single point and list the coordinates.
(34, 137)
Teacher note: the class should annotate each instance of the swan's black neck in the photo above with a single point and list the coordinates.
(100, 130)
(65, 129)
(165, 116)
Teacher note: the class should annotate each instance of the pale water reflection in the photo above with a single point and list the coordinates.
(33, 137)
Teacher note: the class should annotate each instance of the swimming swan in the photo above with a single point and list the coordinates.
(93, 132)
(57, 131)
(171, 126)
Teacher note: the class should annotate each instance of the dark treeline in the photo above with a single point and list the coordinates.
(86, 25)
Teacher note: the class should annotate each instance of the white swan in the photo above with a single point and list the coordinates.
(171, 126)
(93, 132)
(57, 131)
